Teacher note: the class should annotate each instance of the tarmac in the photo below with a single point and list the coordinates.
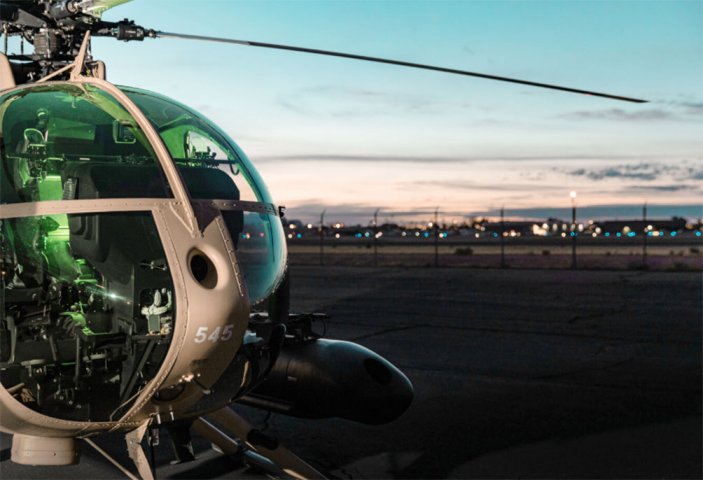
(517, 373)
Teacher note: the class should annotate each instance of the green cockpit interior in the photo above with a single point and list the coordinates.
(87, 298)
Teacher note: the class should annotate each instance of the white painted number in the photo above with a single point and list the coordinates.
(218, 334)
(201, 335)
(215, 335)
(227, 333)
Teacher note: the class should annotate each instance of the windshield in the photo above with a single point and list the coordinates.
(213, 168)
(198, 147)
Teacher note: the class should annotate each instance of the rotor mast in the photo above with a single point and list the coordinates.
(57, 30)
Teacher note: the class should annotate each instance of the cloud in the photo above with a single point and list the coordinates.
(339, 101)
(618, 114)
(501, 187)
(681, 110)
(694, 108)
(335, 157)
(312, 209)
(688, 106)
(645, 171)
(640, 171)
(316, 157)
(604, 212)
(362, 214)
(663, 188)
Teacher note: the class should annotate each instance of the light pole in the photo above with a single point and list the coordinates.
(646, 233)
(436, 238)
(502, 237)
(573, 230)
(322, 237)
(375, 237)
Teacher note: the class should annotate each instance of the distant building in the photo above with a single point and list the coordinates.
(640, 226)
(511, 229)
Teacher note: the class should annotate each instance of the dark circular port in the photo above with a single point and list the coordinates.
(199, 267)
(203, 270)
(378, 371)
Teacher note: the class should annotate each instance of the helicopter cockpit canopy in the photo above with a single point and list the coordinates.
(88, 300)
(64, 131)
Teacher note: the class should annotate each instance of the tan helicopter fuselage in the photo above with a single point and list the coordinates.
(211, 312)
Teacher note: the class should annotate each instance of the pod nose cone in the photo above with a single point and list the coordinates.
(332, 378)
(386, 392)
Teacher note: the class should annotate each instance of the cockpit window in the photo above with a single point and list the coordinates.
(200, 149)
(70, 142)
(214, 168)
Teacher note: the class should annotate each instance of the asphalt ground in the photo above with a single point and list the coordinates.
(517, 373)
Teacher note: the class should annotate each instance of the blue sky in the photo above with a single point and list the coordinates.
(352, 137)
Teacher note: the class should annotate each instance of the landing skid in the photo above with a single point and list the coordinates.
(231, 434)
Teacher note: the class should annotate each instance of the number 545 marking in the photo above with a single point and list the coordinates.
(219, 334)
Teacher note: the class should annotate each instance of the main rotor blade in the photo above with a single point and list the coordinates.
(96, 8)
(393, 62)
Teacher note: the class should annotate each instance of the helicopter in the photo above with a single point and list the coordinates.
(144, 264)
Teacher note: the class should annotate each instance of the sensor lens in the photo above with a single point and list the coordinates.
(203, 270)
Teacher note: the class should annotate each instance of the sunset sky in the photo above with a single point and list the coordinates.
(351, 137)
